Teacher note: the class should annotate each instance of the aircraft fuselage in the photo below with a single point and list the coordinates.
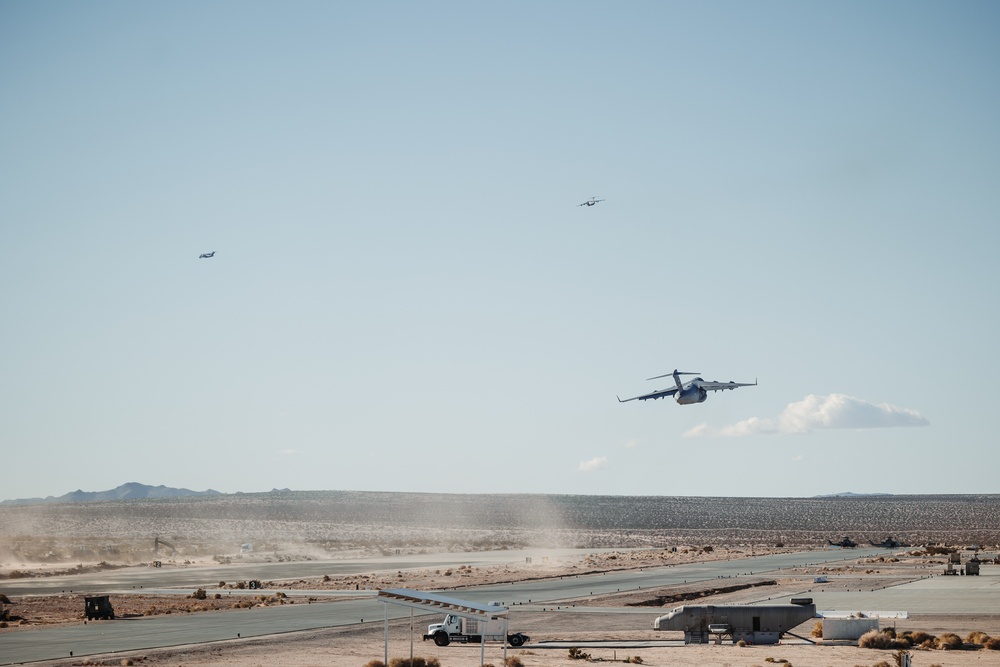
(691, 394)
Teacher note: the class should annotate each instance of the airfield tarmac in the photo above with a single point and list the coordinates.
(937, 594)
(935, 602)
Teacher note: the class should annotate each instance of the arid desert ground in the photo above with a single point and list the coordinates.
(38, 540)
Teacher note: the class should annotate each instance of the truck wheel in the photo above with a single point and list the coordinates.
(441, 638)
(516, 640)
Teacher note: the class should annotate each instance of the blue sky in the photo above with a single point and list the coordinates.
(406, 295)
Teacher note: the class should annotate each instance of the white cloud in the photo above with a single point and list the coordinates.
(595, 463)
(631, 444)
(814, 413)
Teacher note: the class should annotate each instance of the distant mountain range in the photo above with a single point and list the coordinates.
(130, 491)
(135, 490)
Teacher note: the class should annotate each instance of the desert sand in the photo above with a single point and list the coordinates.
(600, 635)
(40, 540)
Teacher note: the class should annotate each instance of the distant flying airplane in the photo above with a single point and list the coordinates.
(591, 202)
(206, 255)
(695, 391)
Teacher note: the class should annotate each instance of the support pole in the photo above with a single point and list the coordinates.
(504, 641)
(385, 616)
(411, 637)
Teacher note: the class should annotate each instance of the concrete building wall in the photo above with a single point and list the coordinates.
(848, 628)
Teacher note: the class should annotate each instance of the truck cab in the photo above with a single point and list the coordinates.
(452, 625)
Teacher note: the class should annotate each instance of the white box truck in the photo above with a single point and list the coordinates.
(465, 630)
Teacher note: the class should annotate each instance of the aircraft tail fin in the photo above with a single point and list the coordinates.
(675, 375)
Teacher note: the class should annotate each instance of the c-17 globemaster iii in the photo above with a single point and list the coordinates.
(695, 391)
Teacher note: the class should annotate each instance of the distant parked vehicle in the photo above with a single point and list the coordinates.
(98, 606)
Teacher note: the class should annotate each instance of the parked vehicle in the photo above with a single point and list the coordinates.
(464, 630)
(98, 606)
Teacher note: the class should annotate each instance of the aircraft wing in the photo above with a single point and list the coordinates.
(659, 393)
(722, 386)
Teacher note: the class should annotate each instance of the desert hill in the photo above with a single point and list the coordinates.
(129, 491)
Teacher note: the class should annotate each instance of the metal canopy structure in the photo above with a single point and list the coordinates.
(433, 602)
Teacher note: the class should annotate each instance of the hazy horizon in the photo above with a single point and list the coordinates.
(212, 492)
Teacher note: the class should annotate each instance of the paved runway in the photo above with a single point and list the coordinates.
(974, 595)
(195, 576)
(158, 631)
(936, 595)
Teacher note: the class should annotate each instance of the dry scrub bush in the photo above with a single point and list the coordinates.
(977, 637)
(876, 639)
(417, 662)
(374, 663)
(577, 654)
(949, 641)
(817, 630)
(919, 638)
(514, 661)
(993, 644)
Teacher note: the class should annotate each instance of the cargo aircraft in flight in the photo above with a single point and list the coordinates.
(695, 391)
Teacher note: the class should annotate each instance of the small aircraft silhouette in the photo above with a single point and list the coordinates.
(206, 255)
(847, 543)
(695, 391)
(591, 202)
(887, 543)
